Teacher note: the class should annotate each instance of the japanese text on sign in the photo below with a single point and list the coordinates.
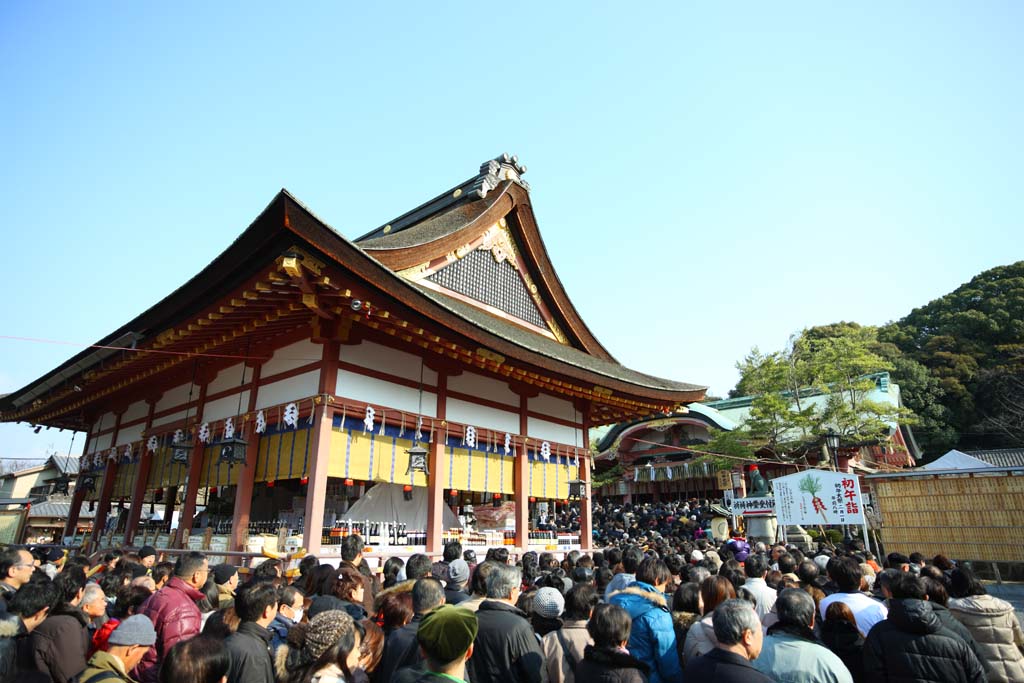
(818, 497)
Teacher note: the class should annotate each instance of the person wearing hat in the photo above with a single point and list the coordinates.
(326, 650)
(147, 557)
(455, 586)
(128, 643)
(54, 562)
(548, 605)
(445, 639)
(226, 578)
(400, 650)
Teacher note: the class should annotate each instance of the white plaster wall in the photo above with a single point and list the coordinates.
(228, 378)
(100, 443)
(157, 421)
(484, 387)
(291, 389)
(176, 397)
(549, 431)
(549, 405)
(381, 393)
(135, 411)
(292, 356)
(106, 421)
(482, 417)
(224, 407)
(385, 359)
(130, 434)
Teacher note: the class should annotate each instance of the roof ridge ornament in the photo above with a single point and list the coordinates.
(493, 171)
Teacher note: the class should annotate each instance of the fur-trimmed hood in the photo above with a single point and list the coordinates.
(404, 587)
(11, 626)
(645, 591)
(684, 620)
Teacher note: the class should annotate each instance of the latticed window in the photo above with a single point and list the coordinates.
(480, 277)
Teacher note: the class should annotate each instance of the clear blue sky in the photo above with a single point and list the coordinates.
(707, 178)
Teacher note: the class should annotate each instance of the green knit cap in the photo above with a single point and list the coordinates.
(447, 632)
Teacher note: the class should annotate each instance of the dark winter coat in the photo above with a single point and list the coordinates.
(174, 614)
(653, 639)
(401, 649)
(719, 666)
(911, 646)
(506, 647)
(454, 596)
(249, 648)
(600, 665)
(279, 629)
(847, 643)
(681, 622)
(949, 621)
(12, 629)
(60, 644)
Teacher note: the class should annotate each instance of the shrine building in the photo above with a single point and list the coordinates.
(438, 355)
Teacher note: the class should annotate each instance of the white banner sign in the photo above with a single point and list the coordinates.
(753, 506)
(818, 497)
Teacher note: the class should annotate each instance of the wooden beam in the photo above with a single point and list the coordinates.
(438, 466)
(139, 486)
(247, 473)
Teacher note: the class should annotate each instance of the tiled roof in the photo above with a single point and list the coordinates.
(1003, 457)
(62, 510)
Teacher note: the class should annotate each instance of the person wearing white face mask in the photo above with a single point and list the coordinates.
(289, 613)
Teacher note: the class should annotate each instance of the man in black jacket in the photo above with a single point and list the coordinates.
(506, 647)
(401, 649)
(912, 645)
(738, 631)
(249, 646)
(28, 608)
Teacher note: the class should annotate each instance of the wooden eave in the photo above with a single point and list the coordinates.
(245, 302)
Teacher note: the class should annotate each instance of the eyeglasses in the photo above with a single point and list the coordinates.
(22, 564)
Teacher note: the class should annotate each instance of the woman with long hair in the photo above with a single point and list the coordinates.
(700, 638)
(393, 566)
(395, 611)
(326, 650)
(686, 611)
(839, 633)
(197, 660)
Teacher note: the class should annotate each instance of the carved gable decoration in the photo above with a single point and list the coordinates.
(480, 276)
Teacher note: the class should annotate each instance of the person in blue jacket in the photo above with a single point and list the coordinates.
(653, 638)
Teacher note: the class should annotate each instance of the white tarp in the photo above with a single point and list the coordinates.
(386, 503)
(955, 460)
(818, 497)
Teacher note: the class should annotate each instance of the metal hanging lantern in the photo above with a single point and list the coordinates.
(232, 451)
(180, 452)
(417, 460)
(577, 489)
(88, 484)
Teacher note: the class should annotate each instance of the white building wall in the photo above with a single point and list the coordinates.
(484, 387)
(229, 378)
(167, 419)
(100, 442)
(224, 407)
(130, 434)
(385, 359)
(550, 431)
(549, 405)
(287, 390)
(290, 357)
(381, 393)
(482, 417)
(176, 397)
(135, 411)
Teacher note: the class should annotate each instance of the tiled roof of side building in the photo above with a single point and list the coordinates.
(1003, 457)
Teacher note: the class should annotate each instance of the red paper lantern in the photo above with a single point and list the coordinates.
(407, 488)
(304, 480)
(349, 482)
(533, 499)
(213, 492)
(270, 484)
(453, 493)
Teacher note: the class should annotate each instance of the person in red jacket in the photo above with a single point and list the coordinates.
(173, 611)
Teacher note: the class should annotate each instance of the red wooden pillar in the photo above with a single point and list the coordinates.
(316, 489)
(438, 466)
(521, 476)
(195, 473)
(77, 498)
(109, 475)
(586, 514)
(247, 473)
(141, 481)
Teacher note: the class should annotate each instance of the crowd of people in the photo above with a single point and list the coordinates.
(653, 606)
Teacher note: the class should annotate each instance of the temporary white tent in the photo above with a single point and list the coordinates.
(386, 503)
(956, 460)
